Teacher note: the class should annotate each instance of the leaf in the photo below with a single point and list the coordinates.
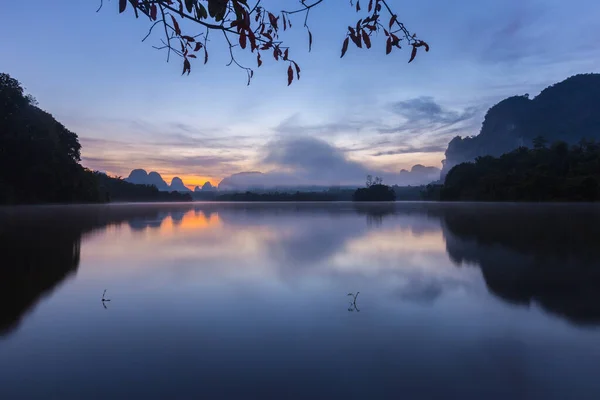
(345, 46)
(276, 53)
(192, 56)
(284, 22)
(198, 46)
(186, 66)
(176, 26)
(153, 12)
(205, 56)
(122, 5)
(258, 60)
(273, 20)
(370, 5)
(309, 40)
(290, 73)
(297, 69)
(189, 4)
(188, 38)
(426, 46)
(393, 20)
(357, 5)
(366, 39)
(243, 39)
(202, 13)
(413, 54)
(388, 46)
(285, 54)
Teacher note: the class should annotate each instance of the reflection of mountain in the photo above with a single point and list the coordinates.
(544, 255)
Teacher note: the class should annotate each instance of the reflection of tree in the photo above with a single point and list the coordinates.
(36, 258)
(533, 254)
(40, 248)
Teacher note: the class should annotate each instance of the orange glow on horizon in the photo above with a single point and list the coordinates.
(191, 181)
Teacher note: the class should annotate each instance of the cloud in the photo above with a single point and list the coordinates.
(434, 148)
(310, 161)
(424, 115)
(294, 126)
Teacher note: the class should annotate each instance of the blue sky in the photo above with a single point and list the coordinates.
(131, 109)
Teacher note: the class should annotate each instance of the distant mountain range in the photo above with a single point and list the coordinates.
(566, 111)
(254, 180)
(141, 177)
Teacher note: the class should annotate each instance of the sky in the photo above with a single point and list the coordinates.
(377, 113)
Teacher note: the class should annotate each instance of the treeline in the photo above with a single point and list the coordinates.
(40, 159)
(555, 173)
(115, 189)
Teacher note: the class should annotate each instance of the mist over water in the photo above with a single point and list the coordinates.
(252, 301)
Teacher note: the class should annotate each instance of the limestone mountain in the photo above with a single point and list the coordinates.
(566, 111)
(141, 177)
(177, 185)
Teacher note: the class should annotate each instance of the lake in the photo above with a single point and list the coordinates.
(261, 301)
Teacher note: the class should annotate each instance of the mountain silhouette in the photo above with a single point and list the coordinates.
(141, 177)
(177, 185)
(566, 111)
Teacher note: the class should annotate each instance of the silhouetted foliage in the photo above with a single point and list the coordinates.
(566, 111)
(558, 173)
(116, 189)
(39, 157)
(250, 26)
(375, 192)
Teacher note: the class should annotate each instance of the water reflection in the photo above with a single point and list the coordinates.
(252, 294)
(545, 255)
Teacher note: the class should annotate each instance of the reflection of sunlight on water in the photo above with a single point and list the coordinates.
(189, 222)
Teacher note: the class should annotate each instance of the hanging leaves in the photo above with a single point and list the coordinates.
(176, 26)
(187, 67)
(345, 46)
(290, 73)
(413, 54)
(253, 26)
(297, 69)
(243, 39)
(388, 46)
(366, 39)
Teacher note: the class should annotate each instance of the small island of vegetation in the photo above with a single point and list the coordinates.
(375, 191)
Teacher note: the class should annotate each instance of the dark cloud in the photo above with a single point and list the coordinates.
(423, 115)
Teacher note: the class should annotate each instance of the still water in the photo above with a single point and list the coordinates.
(251, 301)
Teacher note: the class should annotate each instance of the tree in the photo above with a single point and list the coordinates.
(539, 142)
(247, 25)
